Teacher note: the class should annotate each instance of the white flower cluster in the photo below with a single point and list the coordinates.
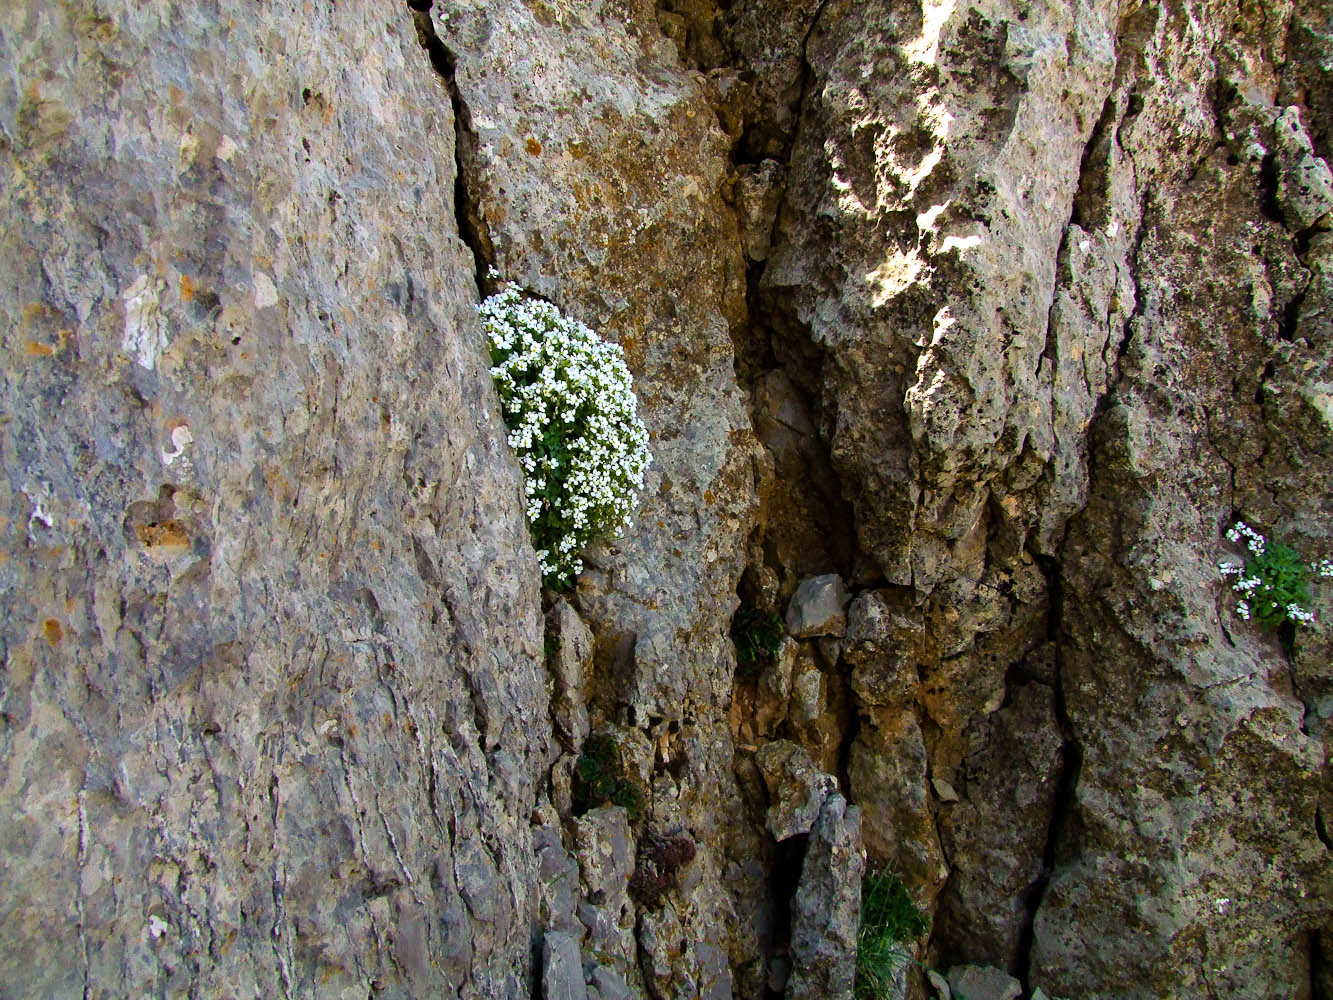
(1272, 582)
(1253, 540)
(569, 404)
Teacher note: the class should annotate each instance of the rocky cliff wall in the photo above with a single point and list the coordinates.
(965, 330)
(273, 715)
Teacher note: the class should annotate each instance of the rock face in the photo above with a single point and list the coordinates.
(273, 711)
(963, 333)
(827, 904)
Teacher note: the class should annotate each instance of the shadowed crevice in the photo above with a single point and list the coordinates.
(467, 194)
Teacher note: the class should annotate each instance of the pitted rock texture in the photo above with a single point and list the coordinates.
(1000, 312)
(826, 909)
(595, 166)
(272, 715)
(1025, 256)
(1197, 746)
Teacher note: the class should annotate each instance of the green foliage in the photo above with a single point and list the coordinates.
(889, 917)
(757, 634)
(1284, 583)
(1274, 586)
(599, 778)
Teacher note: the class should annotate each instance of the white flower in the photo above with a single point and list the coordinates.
(1298, 614)
(568, 401)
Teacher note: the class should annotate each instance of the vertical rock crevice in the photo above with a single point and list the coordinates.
(467, 193)
(1066, 781)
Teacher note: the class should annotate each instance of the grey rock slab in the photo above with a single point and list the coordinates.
(797, 788)
(562, 967)
(758, 194)
(995, 835)
(558, 873)
(570, 643)
(773, 690)
(596, 170)
(888, 770)
(271, 639)
(980, 982)
(604, 983)
(1169, 694)
(827, 905)
(1305, 185)
(884, 635)
(604, 847)
(819, 607)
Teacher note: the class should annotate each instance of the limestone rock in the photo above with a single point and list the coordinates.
(818, 709)
(558, 875)
(604, 847)
(604, 983)
(797, 789)
(1187, 724)
(925, 415)
(569, 659)
(883, 641)
(1015, 771)
(562, 968)
(271, 639)
(827, 905)
(888, 772)
(773, 690)
(768, 38)
(758, 194)
(807, 524)
(596, 168)
(819, 607)
(1026, 306)
(1305, 186)
(665, 954)
(980, 982)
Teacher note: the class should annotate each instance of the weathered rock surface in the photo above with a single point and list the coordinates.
(819, 607)
(888, 769)
(827, 906)
(996, 313)
(980, 982)
(1014, 772)
(569, 660)
(595, 168)
(1197, 761)
(797, 789)
(562, 968)
(1021, 233)
(273, 713)
(605, 849)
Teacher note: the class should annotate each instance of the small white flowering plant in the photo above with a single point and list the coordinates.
(1274, 582)
(568, 402)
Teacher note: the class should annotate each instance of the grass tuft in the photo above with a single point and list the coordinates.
(889, 917)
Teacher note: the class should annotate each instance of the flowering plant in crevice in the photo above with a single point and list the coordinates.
(568, 402)
(1274, 582)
